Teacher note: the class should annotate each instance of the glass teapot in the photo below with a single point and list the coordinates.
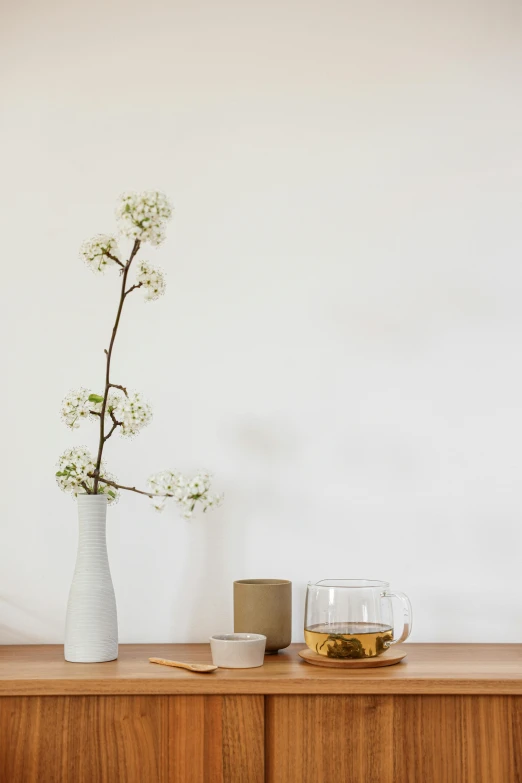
(353, 618)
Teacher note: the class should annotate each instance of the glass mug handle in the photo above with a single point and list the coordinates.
(406, 614)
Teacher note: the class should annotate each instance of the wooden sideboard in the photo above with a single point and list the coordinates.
(449, 713)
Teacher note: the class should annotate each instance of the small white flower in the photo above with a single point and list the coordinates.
(200, 484)
(152, 279)
(185, 492)
(133, 413)
(97, 252)
(143, 215)
(212, 501)
(159, 502)
(75, 407)
(74, 467)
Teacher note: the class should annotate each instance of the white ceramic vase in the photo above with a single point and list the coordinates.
(91, 627)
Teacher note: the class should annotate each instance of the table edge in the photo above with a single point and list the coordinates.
(136, 687)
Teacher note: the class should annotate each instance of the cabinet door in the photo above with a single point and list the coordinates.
(77, 739)
(394, 739)
(131, 739)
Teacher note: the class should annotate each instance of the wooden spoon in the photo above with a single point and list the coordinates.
(200, 668)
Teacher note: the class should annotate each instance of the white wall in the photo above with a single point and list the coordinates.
(341, 338)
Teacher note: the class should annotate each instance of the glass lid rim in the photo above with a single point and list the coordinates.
(352, 583)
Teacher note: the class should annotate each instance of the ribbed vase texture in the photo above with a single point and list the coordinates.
(91, 627)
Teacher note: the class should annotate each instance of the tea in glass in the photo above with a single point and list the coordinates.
(349, 640)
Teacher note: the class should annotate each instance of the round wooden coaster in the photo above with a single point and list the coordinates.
(388, 658)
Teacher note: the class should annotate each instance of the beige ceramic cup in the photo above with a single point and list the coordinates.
(264, 606)
(237, 650)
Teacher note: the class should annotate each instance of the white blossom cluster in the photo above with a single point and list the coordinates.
(75, 407)
(82, 404)
(133, 413)
(185, 492)
(73, 471)
(96, 252)
(143, 216)
(152, 279)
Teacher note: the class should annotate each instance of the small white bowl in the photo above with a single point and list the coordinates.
(238, 650)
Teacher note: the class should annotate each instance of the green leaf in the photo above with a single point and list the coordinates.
(59, 473)
(95, 398)
(111, 493)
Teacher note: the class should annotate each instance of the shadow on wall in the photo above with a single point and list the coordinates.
(16, 633)
(204, 576)
(257, 452)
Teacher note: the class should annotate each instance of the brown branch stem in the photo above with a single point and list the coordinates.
(96, 475)
(114, 419)
(131, 489)
(136, 285)
(115, 423)
(117, 386)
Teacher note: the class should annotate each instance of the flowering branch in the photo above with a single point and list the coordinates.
(174, 485)
(135, 249)
(120, 486)
(142, 218)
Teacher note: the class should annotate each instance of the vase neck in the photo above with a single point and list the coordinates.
(92, 544)
(92, 515)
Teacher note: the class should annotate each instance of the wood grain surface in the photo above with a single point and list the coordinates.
(84, 738)
(217, 738)
(394, 739)
(429, 668)
(132, 739)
